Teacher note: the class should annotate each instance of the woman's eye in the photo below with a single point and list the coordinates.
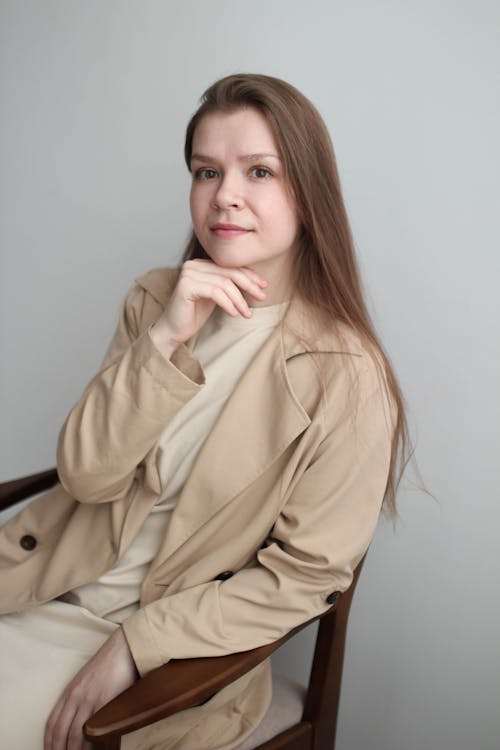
(205, 174)
(260, 172)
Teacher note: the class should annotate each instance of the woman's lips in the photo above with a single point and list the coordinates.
(228, 230)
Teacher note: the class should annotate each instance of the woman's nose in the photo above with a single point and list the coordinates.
(228, 192)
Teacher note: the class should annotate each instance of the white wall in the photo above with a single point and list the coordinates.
(95, 96)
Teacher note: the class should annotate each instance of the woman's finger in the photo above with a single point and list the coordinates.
(51, 723)
(252, 285)
(200, 285)
(244, 277)
(58, 725)
(75, 733)
(221, 297)
(233, 292)
(225, 301)
(222, 290)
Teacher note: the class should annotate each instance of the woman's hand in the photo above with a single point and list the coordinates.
(107, 674)
(201, 285)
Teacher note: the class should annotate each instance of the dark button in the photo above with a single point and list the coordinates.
(28, 542)
(332, 598)
(224, 576)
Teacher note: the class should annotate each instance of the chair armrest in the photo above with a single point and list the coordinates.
(177, 685)
(15, 490)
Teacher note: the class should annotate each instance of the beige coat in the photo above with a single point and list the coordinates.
(284, 494)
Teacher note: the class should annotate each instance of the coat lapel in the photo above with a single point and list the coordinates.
(259, 420)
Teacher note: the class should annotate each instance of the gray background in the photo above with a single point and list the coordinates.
(95, 96)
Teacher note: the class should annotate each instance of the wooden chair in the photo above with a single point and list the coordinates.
(184, 683)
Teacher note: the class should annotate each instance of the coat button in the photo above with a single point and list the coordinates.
(332, 598)
(224, 575)
(28, 542)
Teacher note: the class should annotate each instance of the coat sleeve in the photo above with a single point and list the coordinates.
(124, 408)
(324, 529)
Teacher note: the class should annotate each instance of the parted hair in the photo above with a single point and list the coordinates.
(326, 272)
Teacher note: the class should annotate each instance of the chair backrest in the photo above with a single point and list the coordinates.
(19, 489)
(323, 693)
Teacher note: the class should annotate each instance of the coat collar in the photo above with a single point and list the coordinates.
(258, 422)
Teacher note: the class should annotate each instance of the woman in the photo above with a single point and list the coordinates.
(223, 473)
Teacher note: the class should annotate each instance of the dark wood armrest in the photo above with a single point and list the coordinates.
(15, 490)
(179, 684)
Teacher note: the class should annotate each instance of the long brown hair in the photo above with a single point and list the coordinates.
(326, 273)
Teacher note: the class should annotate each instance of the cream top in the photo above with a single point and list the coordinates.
(224, 347)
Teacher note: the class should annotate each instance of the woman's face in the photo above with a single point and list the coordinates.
(238, 180)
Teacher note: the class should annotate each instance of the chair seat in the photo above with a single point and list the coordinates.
(285, 710)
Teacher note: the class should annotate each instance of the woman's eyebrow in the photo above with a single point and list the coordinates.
(253, 157)
(246, 157)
